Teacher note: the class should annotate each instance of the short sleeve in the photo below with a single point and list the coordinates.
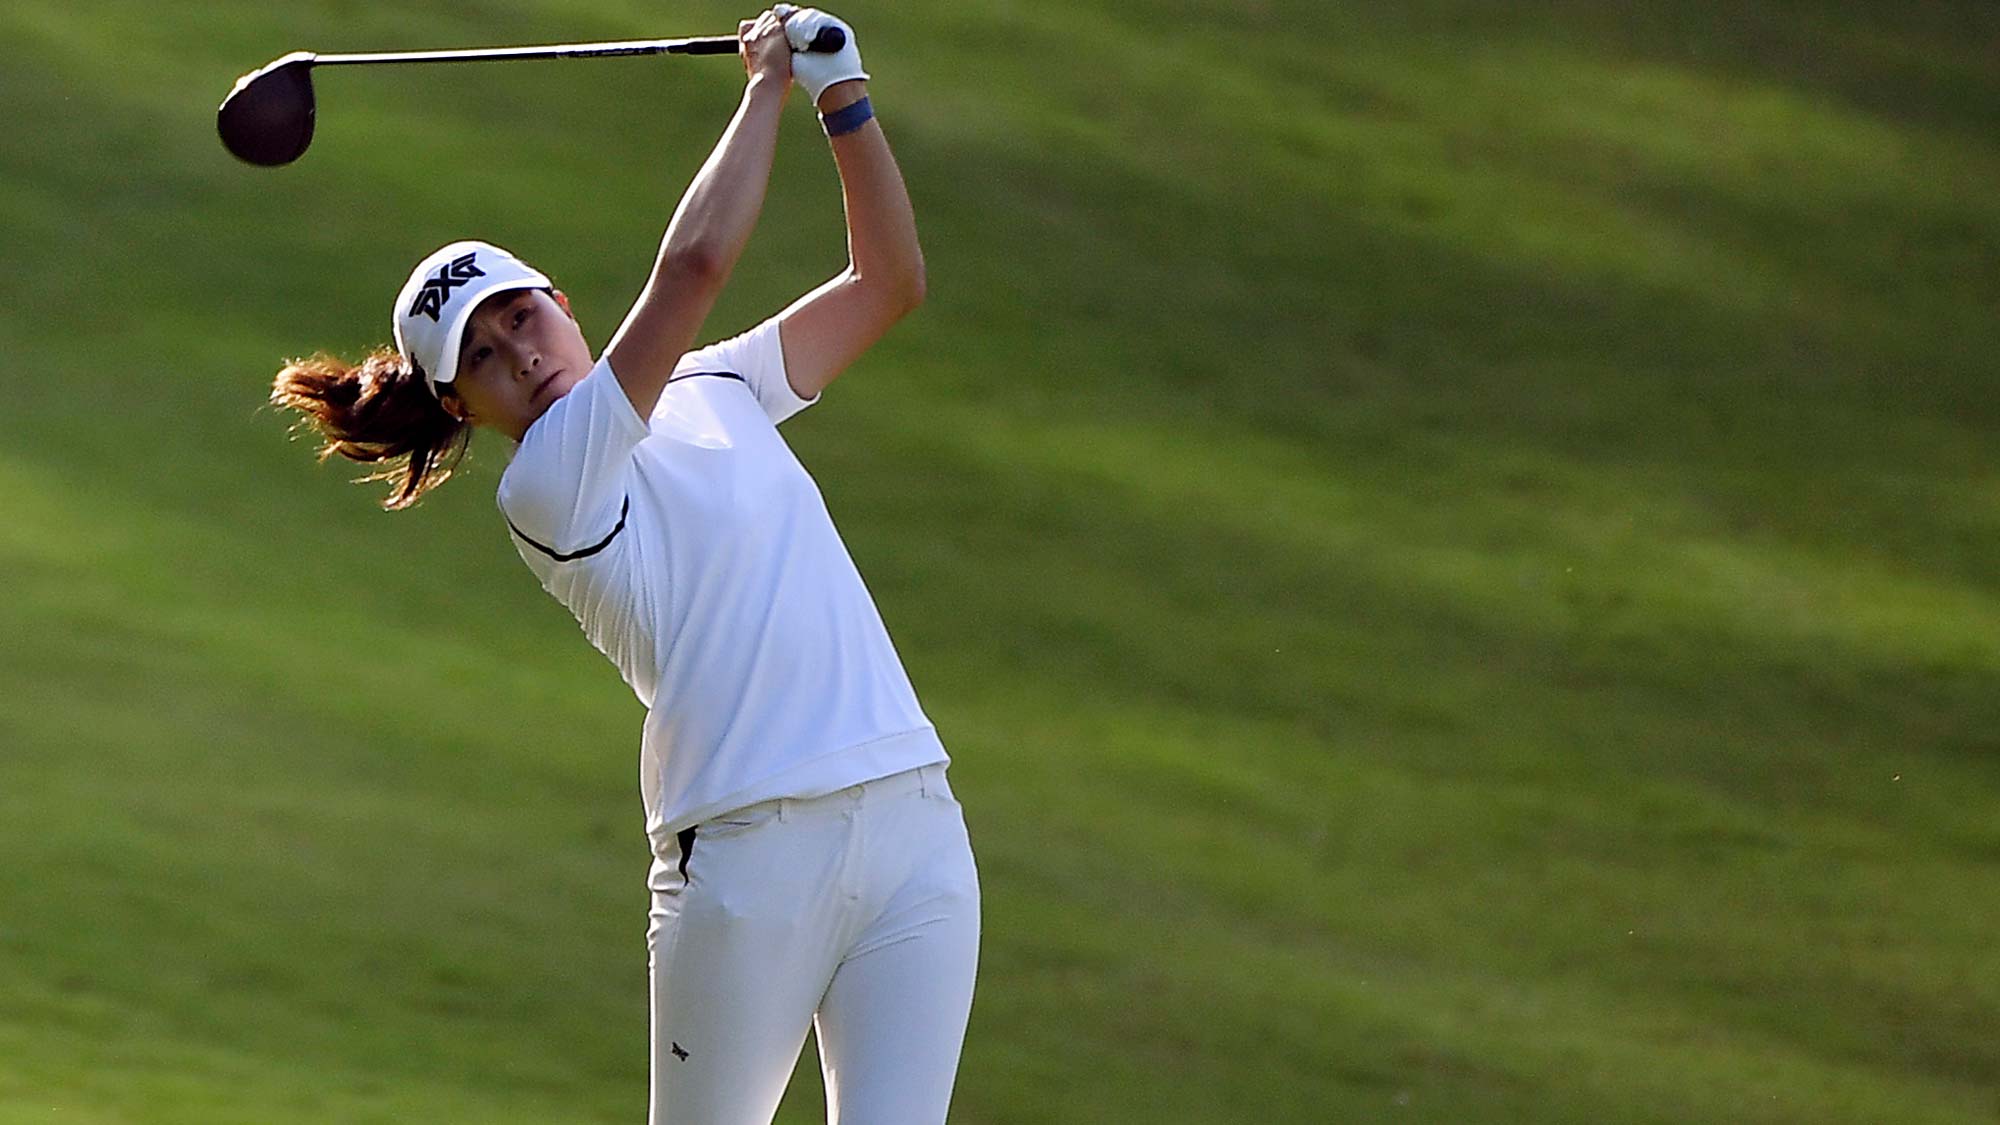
(759, 357)
(565, 490)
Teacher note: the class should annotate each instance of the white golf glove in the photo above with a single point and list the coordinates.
(811, 69)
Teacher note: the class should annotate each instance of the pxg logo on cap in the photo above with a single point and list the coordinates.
(431, 298)
(432, 309)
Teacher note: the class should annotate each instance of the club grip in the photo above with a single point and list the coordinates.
(827, 42)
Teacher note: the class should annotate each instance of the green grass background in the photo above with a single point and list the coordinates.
(1456, 547)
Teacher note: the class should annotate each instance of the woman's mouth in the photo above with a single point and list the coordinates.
(542, 386)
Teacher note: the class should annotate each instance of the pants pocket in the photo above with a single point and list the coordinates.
(739, 821)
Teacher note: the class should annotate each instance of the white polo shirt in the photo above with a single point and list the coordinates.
(698, 555)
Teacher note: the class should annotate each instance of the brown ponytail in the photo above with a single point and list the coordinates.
(377, 412)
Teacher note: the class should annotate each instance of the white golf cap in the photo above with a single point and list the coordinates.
(440, 295)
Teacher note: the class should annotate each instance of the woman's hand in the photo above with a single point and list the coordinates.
(766, 52)
(814, 72)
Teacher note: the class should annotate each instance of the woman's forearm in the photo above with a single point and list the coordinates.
(710, 227)
(882, 245)
(713, 222)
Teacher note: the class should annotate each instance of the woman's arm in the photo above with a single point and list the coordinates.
(830, 327)
(709, 228)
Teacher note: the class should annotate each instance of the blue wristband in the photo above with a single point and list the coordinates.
(847, 118)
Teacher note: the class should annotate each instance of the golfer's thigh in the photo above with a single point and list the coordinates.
(738, 967)
(894, 1018)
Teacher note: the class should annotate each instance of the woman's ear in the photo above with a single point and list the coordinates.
(562, 299)
(452, 406)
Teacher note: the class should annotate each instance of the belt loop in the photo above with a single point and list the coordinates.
(785, 809)
(924, 781)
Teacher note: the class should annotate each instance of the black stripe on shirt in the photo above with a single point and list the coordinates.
(699, 374)
(587, 551)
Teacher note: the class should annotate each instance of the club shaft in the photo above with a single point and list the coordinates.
(707, 45)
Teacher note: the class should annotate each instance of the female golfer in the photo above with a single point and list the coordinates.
(810, 865)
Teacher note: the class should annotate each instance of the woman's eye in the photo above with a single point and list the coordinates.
(479, 355)
(520, 317)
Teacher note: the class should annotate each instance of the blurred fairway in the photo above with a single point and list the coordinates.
(1456, 547)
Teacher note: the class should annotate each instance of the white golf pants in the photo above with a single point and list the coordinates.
(856, 913)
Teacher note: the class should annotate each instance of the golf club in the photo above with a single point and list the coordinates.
(267, 118)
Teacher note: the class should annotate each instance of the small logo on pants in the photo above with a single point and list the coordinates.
(679, 1053)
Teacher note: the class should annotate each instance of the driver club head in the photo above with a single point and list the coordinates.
(267, 118)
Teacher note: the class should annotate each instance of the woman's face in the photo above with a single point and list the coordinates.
(522, 350)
